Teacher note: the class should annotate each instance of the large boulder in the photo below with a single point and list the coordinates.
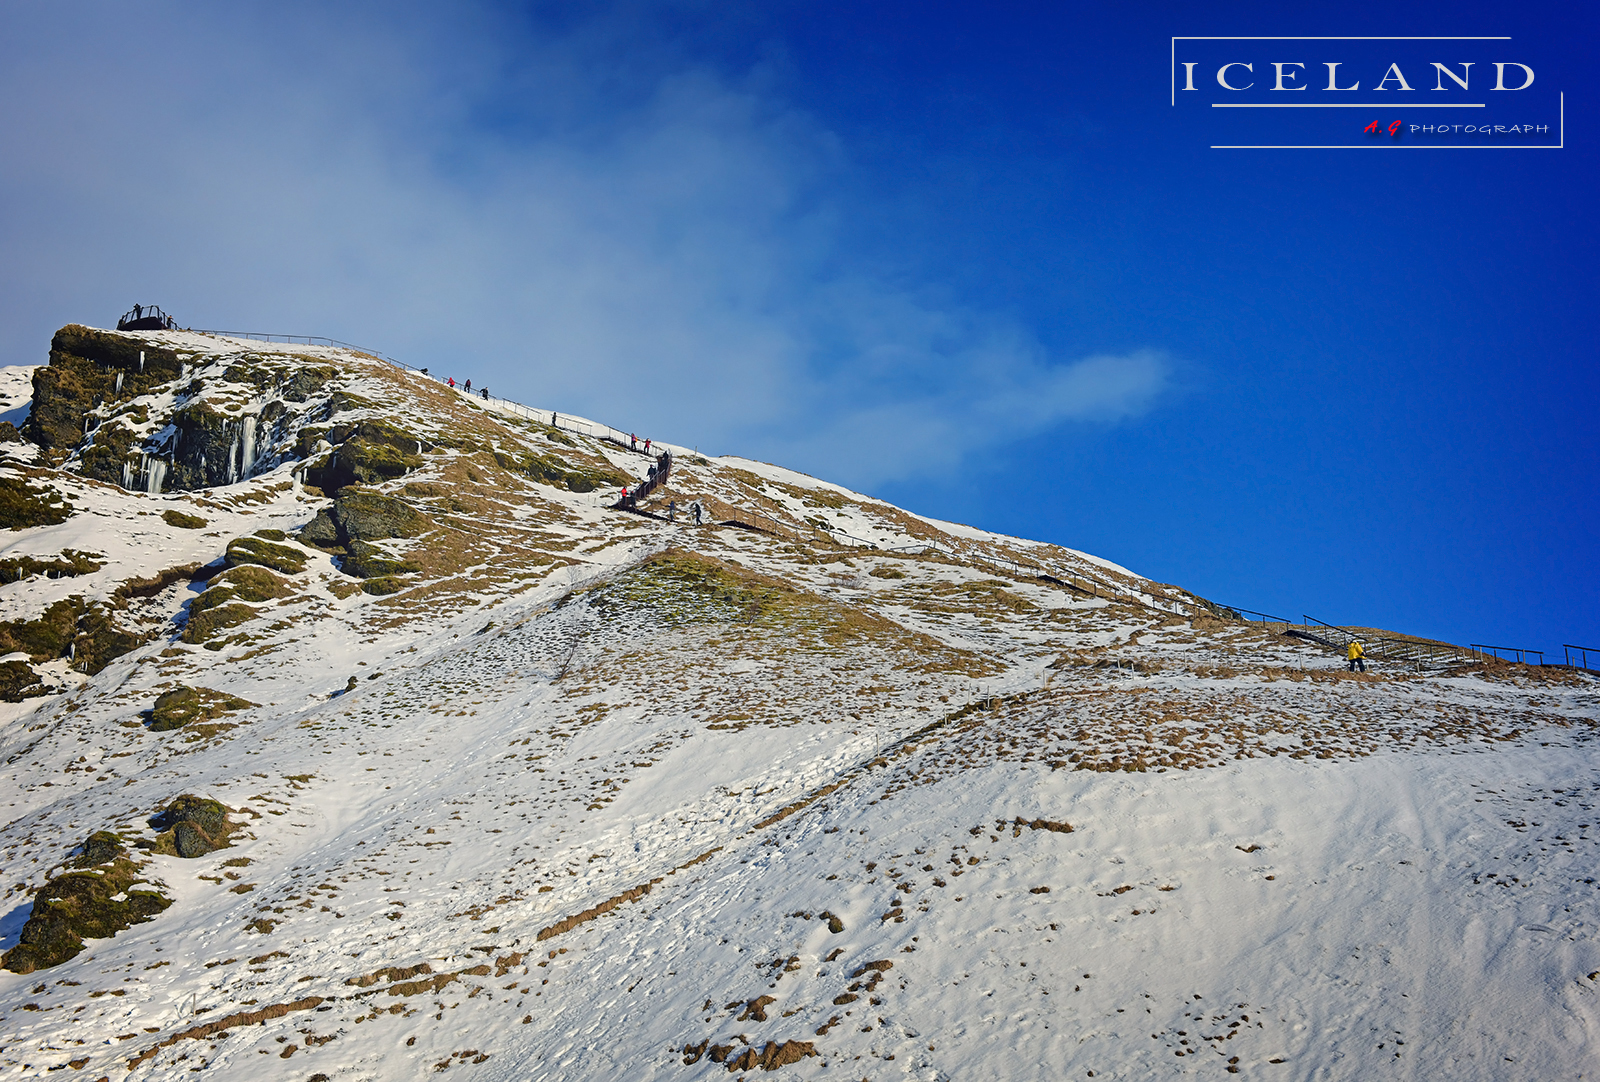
(192, 826)
(371, 516)
(182, 705)
(368, 453)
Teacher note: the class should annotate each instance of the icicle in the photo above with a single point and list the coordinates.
(119, 381)
(233, 460)
(155, 475)
(247, 447)
(141, 360)
(127, 475)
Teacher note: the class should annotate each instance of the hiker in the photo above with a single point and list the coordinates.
(452, 382)
(1356, 656)
(697, 512)
(486, 394)
(469, 386)
(672, 510)
(554, 417)
(646, 446)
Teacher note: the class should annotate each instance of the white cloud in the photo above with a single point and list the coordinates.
(587, 220)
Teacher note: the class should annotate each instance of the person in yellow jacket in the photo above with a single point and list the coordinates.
(1356, 655)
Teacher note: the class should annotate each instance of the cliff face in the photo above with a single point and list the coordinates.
(90, 369)
(142, 411)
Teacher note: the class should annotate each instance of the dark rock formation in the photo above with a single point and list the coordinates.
(366, 453)
(91, 900)
(182, 705)
(18, 681)
(192, 826)
(256, 549)
(82, 373)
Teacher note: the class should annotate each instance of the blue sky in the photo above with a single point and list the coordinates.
(965, 257)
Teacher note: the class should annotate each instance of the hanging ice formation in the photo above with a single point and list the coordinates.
(247, 446)
(119, 381)
(151, 474)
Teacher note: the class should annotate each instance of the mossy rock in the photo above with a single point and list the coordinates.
(174, 517)
(247, 582)
(69, 564)
(182, 705)
(88, 632)
(18, 681)
(385, 584)
(89, 901)
(372, 516)
(370, 562)
(203, 626)
(258, 550)
(192, 826)
(113, 444)
(321, 531)
(101, 847)
(100, 641)
(307, 382)
(367, 453)
(49, 636)
(22, 506)
(9, 433)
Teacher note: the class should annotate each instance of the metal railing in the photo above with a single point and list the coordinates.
(1583, 653)
(1245, 614)
(1496, 651)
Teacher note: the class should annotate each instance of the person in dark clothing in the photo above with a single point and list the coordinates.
(486, 394)
(672, 510)
(697, 512)
(469, 386)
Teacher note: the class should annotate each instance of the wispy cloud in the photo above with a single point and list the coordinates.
(588, 218)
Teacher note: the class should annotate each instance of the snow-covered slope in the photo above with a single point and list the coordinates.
(521, 786)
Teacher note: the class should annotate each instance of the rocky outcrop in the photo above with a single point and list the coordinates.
(184, 705)
(85, 631)
(98, 896)
(359, 518)
(260, 548)
(87, 368)
(18, 681)
(370, 453)
(191, 826)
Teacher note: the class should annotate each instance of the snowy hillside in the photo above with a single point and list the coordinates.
(351, 733)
